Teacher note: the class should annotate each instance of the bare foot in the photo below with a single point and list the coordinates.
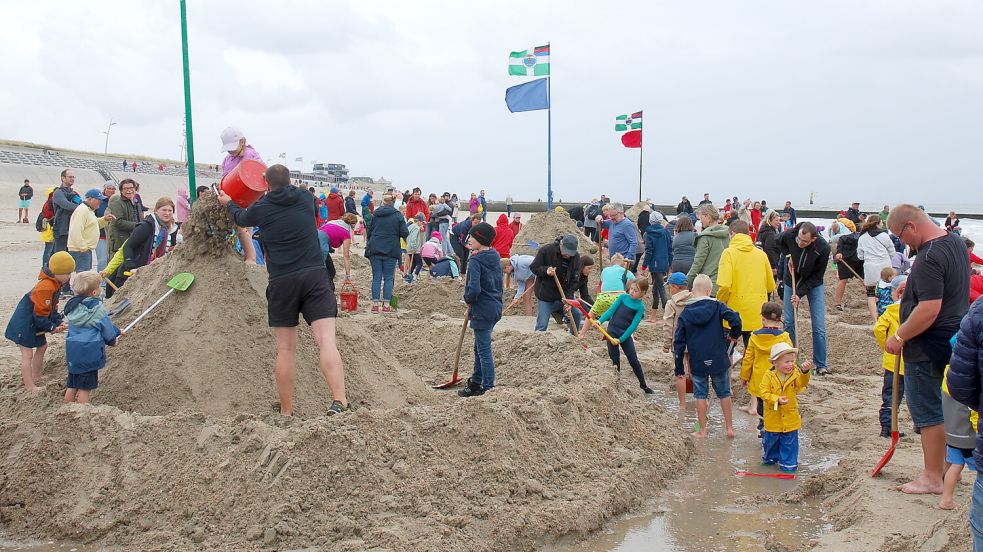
(948, 505)
(750, 411)
(699, 434)
(731, 433)
(921, 486)
(253, 263)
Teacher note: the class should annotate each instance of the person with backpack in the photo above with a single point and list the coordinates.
(64, 201)
(591, 211)
(44, 226)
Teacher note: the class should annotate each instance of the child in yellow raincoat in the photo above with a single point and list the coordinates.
(885, 327)
(778, 390)
(756, 361)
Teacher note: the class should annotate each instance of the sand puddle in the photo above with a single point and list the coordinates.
(709, 508)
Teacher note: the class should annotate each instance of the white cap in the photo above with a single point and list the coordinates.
(230, 139)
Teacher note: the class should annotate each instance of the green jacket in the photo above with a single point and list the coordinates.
(710, 243)
(127, 218)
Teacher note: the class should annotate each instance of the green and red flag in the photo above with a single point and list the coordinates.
(630, 127)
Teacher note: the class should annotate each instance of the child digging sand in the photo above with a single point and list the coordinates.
(679, 295)
(700, 331)
(623, 318)
(887, 324)
(483, 294)
(37, 314)
(756, 358)
(89, 331)
(614, 281)
(778, 391)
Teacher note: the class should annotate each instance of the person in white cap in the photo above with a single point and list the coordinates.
(234, 143)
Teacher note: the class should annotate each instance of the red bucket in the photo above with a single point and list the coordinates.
(245, 184)
(349, 297)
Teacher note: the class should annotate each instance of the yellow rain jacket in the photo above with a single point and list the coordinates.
(786, 418)
(744, 280)
(756, 363)
(885, 327)
(48, 234)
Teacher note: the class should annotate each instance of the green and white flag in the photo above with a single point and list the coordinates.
(623, 123)
(534, 62)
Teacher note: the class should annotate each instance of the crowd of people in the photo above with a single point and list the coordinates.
(729, 280)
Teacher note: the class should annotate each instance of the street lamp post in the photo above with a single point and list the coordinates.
(106, 132)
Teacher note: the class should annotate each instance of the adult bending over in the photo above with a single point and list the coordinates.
(932, 306)
(298, 283)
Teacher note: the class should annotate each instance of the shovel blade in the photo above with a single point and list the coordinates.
(182, 281)
(120, 308)
(895, 437)
(448, 384)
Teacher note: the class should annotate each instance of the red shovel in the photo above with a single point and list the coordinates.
(457, 359)
(895, 436)
(775, 475)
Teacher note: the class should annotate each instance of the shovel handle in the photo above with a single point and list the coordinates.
(110, 284)
(460, 343)
(563, 296)
(146, 312)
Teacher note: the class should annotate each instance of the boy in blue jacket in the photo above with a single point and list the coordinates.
(700, 331)
(89, 331)
(483, 294)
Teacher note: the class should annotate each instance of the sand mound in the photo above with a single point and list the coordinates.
(544, 228)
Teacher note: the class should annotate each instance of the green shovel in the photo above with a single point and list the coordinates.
(180, 282)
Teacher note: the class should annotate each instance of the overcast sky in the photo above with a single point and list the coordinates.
(848, 99)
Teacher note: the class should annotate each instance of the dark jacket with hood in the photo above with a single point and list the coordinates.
(385, 229)
(809, 263)
(658, 248)
(290, 239)
(567, 270)
(768, 241)
(138, 247)
(483, 289)
(350, 205)
(684, 207)
(965, 377)
(64, 200)
(700, 331)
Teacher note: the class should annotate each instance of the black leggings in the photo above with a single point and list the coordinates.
(416, 264)
(659, 290)
(629, 348)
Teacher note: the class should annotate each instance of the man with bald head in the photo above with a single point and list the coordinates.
(934, 302)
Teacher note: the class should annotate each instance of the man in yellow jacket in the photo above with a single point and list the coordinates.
(83, 229)
(778, 390)
(744, 278)
(885, 327)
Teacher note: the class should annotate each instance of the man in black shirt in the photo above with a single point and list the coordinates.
(935, 299)
(298, 283)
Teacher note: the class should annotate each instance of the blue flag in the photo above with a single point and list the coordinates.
(529, 96)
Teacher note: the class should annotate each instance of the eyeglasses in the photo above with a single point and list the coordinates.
(803, 243)
(903, 228)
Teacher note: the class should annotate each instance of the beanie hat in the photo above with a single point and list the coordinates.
(483, 233)
(61, 263)
(435, 234)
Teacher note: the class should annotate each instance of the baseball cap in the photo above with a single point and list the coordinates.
(230, 138)
(781, 349)
(95, 193)
(898, 281)
(568, 245)
(677, 279)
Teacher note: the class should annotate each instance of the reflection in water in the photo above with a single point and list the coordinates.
(710, 508)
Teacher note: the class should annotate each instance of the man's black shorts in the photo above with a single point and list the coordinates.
(844, 273)
(308, 293)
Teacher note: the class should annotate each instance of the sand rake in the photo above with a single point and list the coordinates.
(455, 378)
(180, 282)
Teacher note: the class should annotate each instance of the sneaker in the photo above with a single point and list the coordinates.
(386, 309)
(337, 408)
(839, 308)
(823, 371)
(783, 469)
(375, 309)
(472, 390)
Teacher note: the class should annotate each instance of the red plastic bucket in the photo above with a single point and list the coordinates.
(245, 184)
(349, 297)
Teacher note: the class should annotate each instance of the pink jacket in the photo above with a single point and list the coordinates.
(183, 206)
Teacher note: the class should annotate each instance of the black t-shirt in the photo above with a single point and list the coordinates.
(941, 271)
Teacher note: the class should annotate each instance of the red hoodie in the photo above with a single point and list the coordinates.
(417, 205)
(515, 226)
(336, 206)
(503, 237)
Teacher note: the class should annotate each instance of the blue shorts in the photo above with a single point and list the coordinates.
(923, 391)
(23, 203)
(86, 382)
(720, 381)
(960, 457)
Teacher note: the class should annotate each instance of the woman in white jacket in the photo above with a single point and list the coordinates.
(875, 249)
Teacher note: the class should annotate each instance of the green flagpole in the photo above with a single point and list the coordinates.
(189, 134)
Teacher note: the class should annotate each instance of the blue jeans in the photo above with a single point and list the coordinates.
(976, 514)
(445, 244)
(49, 248)
(923, 387)
(886, 390)
(83, 261)
(544, 309)
(484, 360)
(102, 255)
(383, 273)
(817, 314)
(782, 448)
